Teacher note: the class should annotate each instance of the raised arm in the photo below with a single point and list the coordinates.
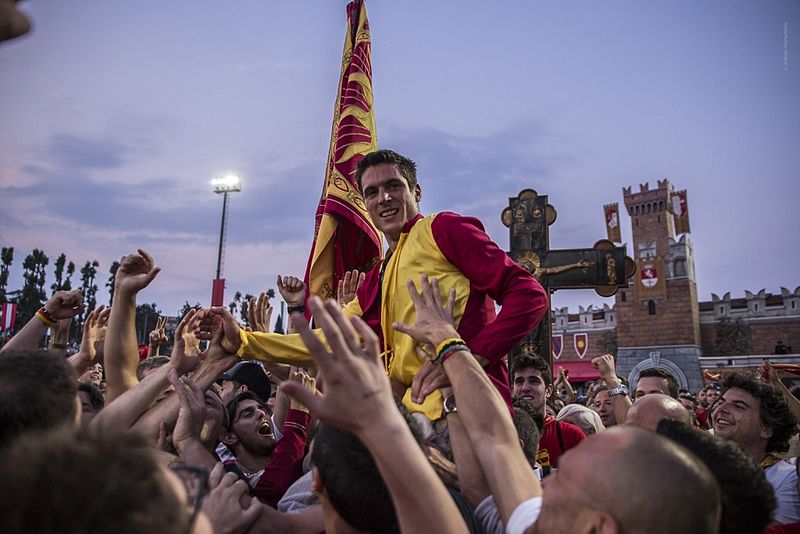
(212, 363)
(481, 409)
(92, 341)
(156, 337)
(358, 399)
(121, 350)
(61, 306)
(348, 286)
(620, 403)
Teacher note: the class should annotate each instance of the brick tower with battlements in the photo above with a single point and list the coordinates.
(658, 317)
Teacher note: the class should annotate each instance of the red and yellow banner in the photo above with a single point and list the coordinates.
(344, 236)
(680, 209)
(612, 222)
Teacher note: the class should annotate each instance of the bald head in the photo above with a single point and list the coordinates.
(633, 479)
(650, 409)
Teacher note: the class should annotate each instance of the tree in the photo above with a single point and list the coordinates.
(6, 259)
(89, 290)
(61, 283)
(146, 318)
(111, 281)
(608, 343)
(186, 307)
(33, 294)
(733, 337)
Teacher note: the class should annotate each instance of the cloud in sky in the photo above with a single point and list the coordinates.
(116, 134)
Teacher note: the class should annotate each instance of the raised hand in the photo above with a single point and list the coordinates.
(348, 286)
(94, 331)
(65, 304)
(434, 320)
(357, 390)
(259, 313)
(208, 321)
(293, 290)
(605, 366)
(301, 377)
(227, 504)
(186, 347)
(192, 413)
(135, 273)
(158, 336)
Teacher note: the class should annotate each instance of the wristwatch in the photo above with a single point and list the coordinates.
(450, 405)
(621, 390)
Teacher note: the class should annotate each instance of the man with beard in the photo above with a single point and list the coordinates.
(269, 466)
(532, 381)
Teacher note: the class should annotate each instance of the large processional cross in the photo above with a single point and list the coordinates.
(604, 267)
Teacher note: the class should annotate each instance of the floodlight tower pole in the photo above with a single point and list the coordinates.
(223, 186)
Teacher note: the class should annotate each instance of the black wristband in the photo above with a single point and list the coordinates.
(296, 309)
(59, 345)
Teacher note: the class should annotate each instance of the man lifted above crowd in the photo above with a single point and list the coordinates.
(456, 250)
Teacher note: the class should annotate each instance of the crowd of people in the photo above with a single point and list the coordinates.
(403, 410)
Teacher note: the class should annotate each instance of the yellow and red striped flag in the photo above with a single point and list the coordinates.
(344, 236)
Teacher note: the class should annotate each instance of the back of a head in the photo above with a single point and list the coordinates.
(667, 489)
(37, 393)
(149, 364)
(527, 429)
(747, 498)
(583, 415)
(352, 481)
(67, 481)
(650, 409)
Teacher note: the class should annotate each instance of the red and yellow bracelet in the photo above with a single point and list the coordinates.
(44, 316)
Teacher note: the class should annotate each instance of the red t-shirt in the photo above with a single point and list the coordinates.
(558, 437)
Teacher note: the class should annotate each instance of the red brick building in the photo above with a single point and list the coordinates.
(658, 322)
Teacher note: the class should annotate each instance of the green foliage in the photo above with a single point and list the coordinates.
(111, 281)
(146, 319)
(608, 343)
(62, 283)
(733, 337)
(6, 259)
(186, 308)
(240, 304)
(33, 294)
(89, 291)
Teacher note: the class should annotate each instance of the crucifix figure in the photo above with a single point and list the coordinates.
(604, 267)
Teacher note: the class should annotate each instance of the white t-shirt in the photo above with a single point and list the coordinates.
(783, 478)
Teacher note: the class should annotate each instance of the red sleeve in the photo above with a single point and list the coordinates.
(286, 464)
(491, 272)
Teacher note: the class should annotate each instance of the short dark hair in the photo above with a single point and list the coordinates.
(154, 362)
(95, 395)
(747, 498)
(234, 404)
(657, 372)
(406, 167)
(774, 411)
(37, 392)
(527, 429)
(105, 482)
(352, 481)
(525, 360)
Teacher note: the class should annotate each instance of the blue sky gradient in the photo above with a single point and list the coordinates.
(117, 115)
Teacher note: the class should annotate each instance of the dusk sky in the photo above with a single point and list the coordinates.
(116, 115)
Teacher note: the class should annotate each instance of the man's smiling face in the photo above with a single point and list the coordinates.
(737, 418)
(389, 200)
